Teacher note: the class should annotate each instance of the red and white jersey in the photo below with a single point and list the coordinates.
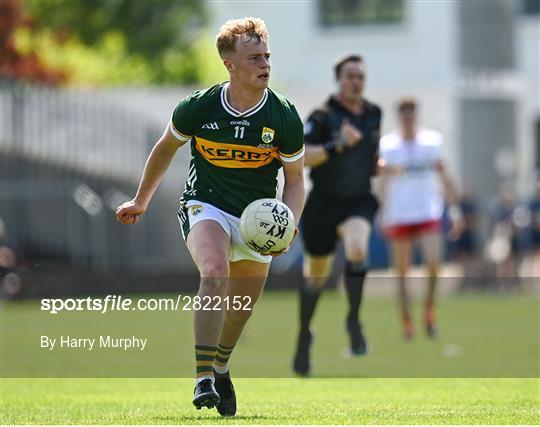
(412, 194)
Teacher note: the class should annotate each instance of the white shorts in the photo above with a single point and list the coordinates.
(196, 211)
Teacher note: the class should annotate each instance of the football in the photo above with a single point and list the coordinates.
(267, 225)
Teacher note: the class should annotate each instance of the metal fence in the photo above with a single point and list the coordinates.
(68, 159)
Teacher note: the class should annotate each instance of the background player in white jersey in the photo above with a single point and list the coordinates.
(241, 133)
(413, 205)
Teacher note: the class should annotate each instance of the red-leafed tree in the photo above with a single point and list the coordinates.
(17, 65)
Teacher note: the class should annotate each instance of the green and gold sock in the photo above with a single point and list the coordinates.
(222, 358)
(204, 358)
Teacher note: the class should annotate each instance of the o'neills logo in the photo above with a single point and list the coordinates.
(240, 122)
(234, 155)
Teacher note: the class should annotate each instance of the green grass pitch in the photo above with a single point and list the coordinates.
(274, 401)
(421, 382)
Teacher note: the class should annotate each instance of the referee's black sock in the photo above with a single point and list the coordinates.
(355, 274)
(309, 296)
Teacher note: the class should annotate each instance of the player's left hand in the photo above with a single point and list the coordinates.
(456, 228)
(276, 254)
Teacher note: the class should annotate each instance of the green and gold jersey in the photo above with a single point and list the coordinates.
(236, 155)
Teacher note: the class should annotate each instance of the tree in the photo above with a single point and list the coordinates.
(150, 26)
(15, 64)
(160, 33)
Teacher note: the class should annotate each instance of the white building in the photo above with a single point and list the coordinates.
(420, 48)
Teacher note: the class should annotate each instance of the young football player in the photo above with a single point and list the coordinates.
(240, 133)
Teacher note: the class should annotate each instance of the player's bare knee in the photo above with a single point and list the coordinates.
(317, 270)
(401, 269)
(316, 282)
(216, 268)
(356, 253)
(433, 269)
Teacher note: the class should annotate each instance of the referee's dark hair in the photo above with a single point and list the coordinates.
(339, 64)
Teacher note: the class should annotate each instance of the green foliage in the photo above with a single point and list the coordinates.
(120, 42)
(150, 26)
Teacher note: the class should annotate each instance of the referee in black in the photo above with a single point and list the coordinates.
(342, 142)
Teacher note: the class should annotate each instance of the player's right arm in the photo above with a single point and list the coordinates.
(178, 132)
(156, 165)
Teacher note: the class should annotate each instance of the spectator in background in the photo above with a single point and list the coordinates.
(534, 208)
(503, 244)
(465, 247)
(10, 283)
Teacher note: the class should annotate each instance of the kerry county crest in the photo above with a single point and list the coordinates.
(267, 135)
(196, 209)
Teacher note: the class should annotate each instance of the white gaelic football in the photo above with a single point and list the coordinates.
(267, 225)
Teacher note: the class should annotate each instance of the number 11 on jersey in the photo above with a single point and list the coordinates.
(239, 132)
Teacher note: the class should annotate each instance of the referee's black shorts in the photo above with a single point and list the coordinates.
(322, 215)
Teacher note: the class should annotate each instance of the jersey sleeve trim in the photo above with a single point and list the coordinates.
(177, 134)
(293, 156)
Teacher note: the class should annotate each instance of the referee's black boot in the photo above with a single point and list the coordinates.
(205, 394)
(227, 396)
(301, 363)
(358, 344)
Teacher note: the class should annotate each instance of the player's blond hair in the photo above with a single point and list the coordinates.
(233, 29)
